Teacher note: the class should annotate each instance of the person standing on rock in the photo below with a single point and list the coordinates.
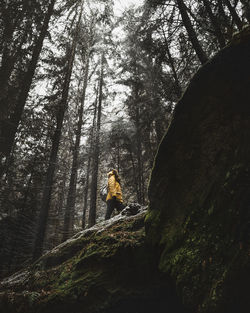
(114, 196)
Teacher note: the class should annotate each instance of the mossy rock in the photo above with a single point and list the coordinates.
(199, 216)
(106, 269)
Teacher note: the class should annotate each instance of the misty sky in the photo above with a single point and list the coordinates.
(121, 5)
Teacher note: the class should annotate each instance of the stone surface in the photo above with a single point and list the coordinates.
(199, 216)
(108, 268)
(131, 209)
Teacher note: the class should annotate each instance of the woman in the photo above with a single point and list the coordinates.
(114, 196)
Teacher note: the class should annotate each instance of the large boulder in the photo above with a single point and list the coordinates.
(108, 268)
(199, 216)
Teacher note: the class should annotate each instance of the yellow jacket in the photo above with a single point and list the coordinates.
(114, 188)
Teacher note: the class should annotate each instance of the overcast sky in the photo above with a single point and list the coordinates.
(121, 5)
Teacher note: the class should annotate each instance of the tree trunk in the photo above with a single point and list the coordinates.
(139, 151)
(215, 23)
(224, 20)
(139, 167)
(43, 216)
(93, 188)
(6, 184)
(222, 13)
(172, 65)
(8, 133)
(44, 211)
(59, 206)
(8, 64)
(246, 9)
(191, 32)
(86, 189)
(118, 156)
(5, 67)
(234, 14)
(134, 174)
(70, 206)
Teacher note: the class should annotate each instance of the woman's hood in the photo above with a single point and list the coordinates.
(110, 173)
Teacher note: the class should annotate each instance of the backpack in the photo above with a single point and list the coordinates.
(104, 192)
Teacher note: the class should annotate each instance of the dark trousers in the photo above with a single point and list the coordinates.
(111, 205)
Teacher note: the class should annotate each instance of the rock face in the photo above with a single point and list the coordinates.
(199, 217)
(108, 268)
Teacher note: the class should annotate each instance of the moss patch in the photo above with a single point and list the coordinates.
(108, 269)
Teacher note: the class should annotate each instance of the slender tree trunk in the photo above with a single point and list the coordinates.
(222, 13)
(59, 204)
(151, 146)
(224, 20)
(8, 64)
(70, 206)
(139, 152)
(176, 79)
(9, 58)
(191, 32)
(138, 149)
(142, 184)
(234, 14)
(118, 156)
(10, 132)
(6, 184)
(215, 23)
(44, 211)
(246, 9)
(172, 65)
(86, 189)
(93, 189)
(30, 180)
(5, 68)
(134, 175)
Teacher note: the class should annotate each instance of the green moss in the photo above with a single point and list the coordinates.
(211, 210)
(110, 265)
(152, 217)
(200, 252)
(172, 236)
(152, 222)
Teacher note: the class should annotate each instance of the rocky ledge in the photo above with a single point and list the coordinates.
(107, 268)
